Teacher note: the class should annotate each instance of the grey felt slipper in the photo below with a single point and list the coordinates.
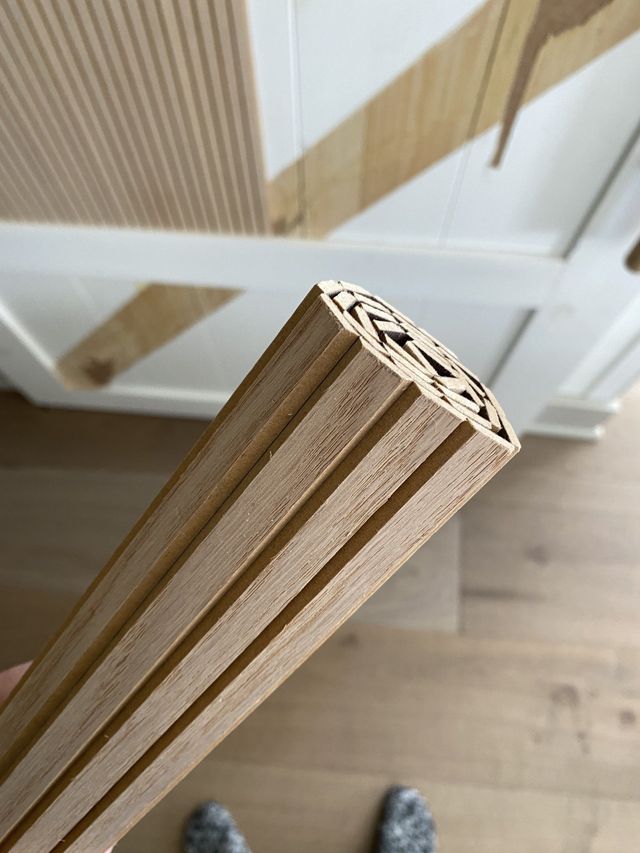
(407, 824)
(211, 829)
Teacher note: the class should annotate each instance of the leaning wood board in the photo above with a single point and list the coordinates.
(352, 440)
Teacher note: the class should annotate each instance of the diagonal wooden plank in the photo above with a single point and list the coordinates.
(418, 118)
(156, 315)
(552, 19)
(438, 104)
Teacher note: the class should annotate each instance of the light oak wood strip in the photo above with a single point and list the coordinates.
(418, 508)
(63, 71)
(458, 89)
(277, 771)
(34, 130)
(152, 318)
(329, 487)
(354, 395)
(379, 463)
(129, 128)
(301, 356)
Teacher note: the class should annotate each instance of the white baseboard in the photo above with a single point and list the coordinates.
(573, 418)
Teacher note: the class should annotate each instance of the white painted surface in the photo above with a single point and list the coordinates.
(274, 57)
(412, 215)
(621, 376)
(277, 264)
(594, 292)
(616, 344)
(349, 51)
(562, 149)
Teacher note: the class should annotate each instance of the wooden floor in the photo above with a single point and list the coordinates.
(499, 671)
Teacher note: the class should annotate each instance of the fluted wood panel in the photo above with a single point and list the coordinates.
(129, 113)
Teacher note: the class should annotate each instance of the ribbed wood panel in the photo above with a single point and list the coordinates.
(129, 113)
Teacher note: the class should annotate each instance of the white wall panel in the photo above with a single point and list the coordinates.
(58, 310)
(274, 59)
(349, 51)
(412, 215)
(561, 151)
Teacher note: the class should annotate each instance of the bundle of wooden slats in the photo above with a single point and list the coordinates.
(352, 440)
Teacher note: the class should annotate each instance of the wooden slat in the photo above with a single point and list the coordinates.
(366, 468)
(341, 586)
(457, 90)
(130, 114)
(156, 315)
(308, 347)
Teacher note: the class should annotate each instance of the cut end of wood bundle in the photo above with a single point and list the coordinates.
(418, 357)
(354, 438)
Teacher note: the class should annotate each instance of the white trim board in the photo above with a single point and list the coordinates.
(594, 291)
(281, 264)
(573, 418)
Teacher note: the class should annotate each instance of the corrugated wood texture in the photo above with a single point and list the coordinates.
(129, 114)
(153, 317)
(502, 57)
(351, 442)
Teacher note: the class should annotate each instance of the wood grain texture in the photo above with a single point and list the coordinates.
(509, 715)
(289, 809)
(479, 75)
(130, 114)
(389, 443)
(306, 350)
(153, 317)
(426, 499)
(460, 717)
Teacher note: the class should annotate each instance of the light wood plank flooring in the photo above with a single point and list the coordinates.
(499, 672)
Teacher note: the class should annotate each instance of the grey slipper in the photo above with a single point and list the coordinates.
(407, 824)
(211, 829)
